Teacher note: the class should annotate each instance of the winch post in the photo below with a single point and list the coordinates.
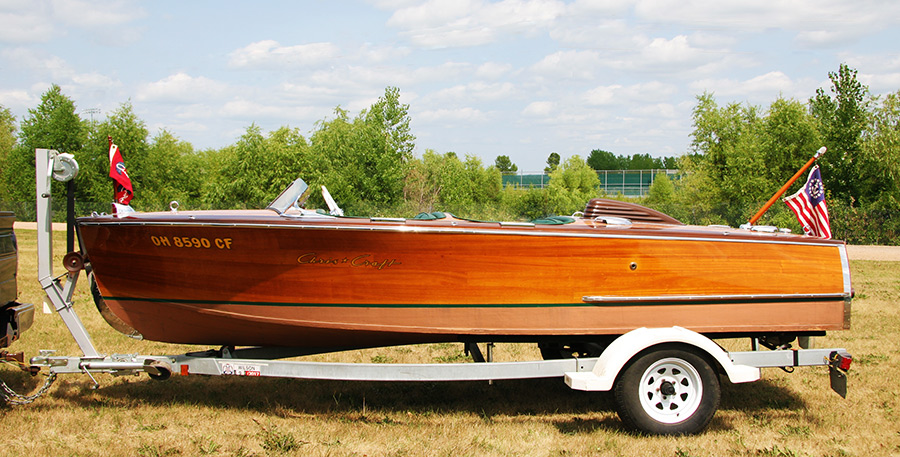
(59, 295)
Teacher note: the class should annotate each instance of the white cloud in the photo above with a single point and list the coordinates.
(308, 93)
(39, 65)
(878, 71)
(457, 115)
(25, 23)
(38, 62)
(361, 78)
(269, 54)
(592, 32)
(601, 7)
(676, 50)
(467, 93)
(764, 88)
(181, 88)
(882, 83)
(539, 109)
(603, 95)
(455, 23)
(18, 100)
(816, 23)
(251, 110)
(568, 65)
(772, 81)
(42, 21)
(655, 110)
(378, 54)
(92, 13)
(95, 80)
(493, 70)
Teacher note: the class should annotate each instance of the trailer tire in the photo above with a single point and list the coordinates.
(667, 390)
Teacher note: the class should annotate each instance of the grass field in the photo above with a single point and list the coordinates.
(781, 415)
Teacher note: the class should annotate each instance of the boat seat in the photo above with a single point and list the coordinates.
(430, 216)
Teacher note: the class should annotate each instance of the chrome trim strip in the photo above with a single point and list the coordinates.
(845, 266)
(456, 230)
(671, 298)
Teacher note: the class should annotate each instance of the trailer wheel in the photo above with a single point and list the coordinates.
(667, 391)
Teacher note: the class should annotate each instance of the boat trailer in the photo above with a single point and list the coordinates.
(665, 380)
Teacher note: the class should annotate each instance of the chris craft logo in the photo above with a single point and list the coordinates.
(361, 260)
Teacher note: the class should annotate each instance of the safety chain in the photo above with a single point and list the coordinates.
(13, 398)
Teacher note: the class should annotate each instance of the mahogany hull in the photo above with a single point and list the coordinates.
(254, 278)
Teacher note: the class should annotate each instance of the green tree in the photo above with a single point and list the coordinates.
(423, 188)
(843, 117)
(730, 170)
(366, 158)
(876, 220)
(486, 182)
(7, 132)
(7, 142)
(53, 124)
(571, 186)
(257, 168)
(789, 137)
(599, 159)
(661, 196)
(391, 118)
(505, 165)
(881, 146)
(171, 171)
(130, 134)
(643, 162)
(552, 163)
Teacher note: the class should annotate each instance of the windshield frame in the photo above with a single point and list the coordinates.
(294, 196)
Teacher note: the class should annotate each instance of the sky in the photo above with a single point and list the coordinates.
(522, 78)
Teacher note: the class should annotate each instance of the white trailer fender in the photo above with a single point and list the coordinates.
(625, 347)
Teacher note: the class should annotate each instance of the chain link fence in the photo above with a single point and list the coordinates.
(630, 183)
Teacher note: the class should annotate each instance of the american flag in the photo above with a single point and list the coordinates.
(809, 206)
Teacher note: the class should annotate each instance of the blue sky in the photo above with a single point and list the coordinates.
(522, 78)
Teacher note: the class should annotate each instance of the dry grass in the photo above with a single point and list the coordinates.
(781, 415)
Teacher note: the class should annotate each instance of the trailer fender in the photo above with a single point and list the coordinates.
(625, 347)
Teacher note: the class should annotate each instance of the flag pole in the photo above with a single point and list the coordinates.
(785, 187)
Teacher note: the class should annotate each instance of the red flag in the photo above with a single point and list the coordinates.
(121, 182)
(809, 206)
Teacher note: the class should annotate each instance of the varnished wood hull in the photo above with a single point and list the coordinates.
(254, 278)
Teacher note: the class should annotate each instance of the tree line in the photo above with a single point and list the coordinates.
(739, 155)
(599, 160)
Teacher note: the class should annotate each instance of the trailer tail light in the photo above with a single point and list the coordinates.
(841, 360)
(838, 363)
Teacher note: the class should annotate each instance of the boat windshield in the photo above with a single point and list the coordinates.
(295, 195)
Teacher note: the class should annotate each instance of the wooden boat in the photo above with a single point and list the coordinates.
(286, 276)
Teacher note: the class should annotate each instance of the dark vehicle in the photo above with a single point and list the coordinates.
(15, 317)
